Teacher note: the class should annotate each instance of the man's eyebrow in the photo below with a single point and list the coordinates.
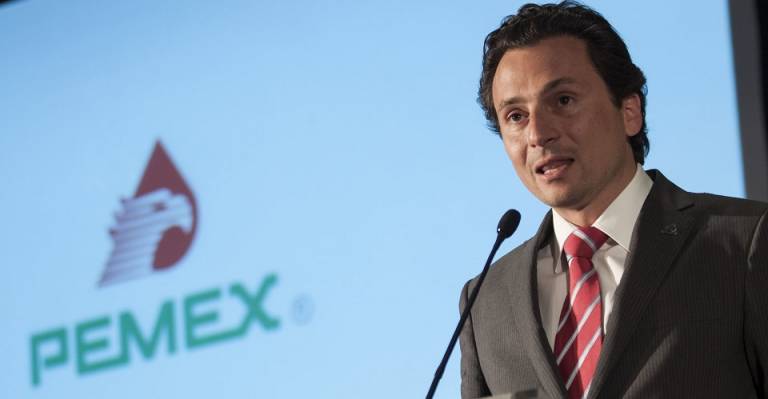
(552, 85)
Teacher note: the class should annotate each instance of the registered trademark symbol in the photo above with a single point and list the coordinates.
(303, 308)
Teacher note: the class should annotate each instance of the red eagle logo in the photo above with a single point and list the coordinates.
(154, 229)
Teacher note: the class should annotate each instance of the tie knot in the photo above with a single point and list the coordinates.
(584, 242)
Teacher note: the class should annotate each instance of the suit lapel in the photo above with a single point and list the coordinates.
(525, 303)
(660, 234)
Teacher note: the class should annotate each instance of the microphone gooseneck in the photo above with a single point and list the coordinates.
(507, 226)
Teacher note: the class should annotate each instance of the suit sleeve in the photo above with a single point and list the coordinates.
(472, 381)
(756, 308)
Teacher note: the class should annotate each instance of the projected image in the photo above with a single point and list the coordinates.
(280, 200)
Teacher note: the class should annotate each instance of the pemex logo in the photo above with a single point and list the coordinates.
(153, 229)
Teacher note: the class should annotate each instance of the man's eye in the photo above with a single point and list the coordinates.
(564, 100)
(515, 117)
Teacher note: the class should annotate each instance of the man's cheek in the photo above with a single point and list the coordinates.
(515, 153)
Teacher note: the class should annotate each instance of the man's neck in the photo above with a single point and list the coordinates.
(588, 214)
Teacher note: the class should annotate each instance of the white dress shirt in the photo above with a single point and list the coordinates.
(618, 222)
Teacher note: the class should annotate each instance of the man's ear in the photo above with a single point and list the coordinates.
(633, 116)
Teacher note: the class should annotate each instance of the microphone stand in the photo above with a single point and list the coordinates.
(507, 225)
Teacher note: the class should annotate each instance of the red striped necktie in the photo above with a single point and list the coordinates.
(579, 337)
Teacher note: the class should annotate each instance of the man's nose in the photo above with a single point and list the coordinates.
(541, 129)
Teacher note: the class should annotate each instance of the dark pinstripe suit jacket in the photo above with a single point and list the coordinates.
(690, 318)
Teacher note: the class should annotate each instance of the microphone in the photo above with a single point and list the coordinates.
(507, 226)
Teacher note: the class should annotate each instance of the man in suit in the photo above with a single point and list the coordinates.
(631, 287)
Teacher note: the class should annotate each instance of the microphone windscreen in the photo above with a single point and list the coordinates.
(508, 223)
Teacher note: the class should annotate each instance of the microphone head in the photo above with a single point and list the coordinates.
(508, 223)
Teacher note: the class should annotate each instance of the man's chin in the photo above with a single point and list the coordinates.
(560, 199)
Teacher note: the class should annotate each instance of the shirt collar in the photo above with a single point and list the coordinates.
(617, 221)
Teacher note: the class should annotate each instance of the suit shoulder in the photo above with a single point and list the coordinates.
(728, 206)
(513, 259)
(514, 256)
(708, 204)
(735, 218)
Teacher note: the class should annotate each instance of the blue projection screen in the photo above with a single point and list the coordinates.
(249, 199)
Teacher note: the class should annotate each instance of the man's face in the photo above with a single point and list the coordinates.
(567, 140)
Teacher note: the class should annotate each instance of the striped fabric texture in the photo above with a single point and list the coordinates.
(579, 336)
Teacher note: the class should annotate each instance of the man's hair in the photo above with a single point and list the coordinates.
(605, 48)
